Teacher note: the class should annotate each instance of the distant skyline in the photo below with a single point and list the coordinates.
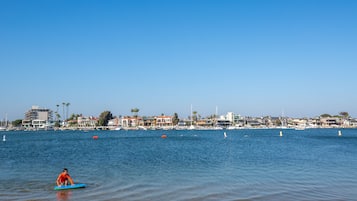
(253, 58)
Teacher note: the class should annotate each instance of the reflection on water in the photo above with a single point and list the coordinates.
(313, 164)
(64, 195)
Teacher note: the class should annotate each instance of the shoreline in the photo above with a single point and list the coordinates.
(142, 128)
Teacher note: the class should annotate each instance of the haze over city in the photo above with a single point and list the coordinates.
(252, 58)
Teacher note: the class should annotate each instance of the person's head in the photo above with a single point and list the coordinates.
(65, 170)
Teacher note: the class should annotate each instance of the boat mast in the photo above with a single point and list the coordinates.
(215, 118)
(191, 116)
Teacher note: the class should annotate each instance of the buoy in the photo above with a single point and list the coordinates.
(281, 134)
(95, 137)
(163, 136)
(339, 133)
(4, 138)
(225, 135)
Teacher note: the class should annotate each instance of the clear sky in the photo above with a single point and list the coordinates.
(249, 57)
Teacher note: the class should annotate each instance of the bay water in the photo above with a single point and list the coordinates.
(249, 164)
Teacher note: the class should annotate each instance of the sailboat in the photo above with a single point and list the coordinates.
(3, 128)
(192, 127)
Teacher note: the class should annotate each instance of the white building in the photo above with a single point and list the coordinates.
(230, 117)
(85, 122)
(164, 121)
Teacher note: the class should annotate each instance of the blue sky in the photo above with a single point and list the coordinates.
(250, 57)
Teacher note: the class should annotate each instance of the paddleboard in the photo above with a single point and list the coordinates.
(69, 187)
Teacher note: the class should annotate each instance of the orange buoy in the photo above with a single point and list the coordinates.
(95, 137)
(163, 136)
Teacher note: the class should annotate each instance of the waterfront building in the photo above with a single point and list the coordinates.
(330, 122)
(164, 121)
(38, 113)
(299, 122)
(149, 122)
(38, 118)
(114, 123)
(223, 121)
(87, 122)
(230, 117)
(128, 121)
(234, 119)
(353, 123)
(205, 123)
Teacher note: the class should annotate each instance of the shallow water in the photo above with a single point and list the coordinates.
(314, 164)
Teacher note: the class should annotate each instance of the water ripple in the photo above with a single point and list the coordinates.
(187, 165)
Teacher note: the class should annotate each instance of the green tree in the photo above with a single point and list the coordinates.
(344, 114)
(17, 123)
(57, 124)
(325, 115)
(57, 112)
(135, 112)
(74, 116)
(63, 115)
(73, 119)
(104, 118)
(194, 117)
(58, 116)
(67, 105)
(175, 119)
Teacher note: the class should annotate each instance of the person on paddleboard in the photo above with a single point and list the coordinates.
(63, 178)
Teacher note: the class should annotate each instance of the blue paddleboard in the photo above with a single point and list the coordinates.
(69, 187)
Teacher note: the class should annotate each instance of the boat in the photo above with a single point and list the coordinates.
(300, 128)
(192, 127)
(217, 128)
(117, 128)
(142, 128)
(4, 126)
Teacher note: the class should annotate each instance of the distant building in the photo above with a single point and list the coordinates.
(353, 123)
(223, 121)
(37, 118)
(164, 121)
(205, 122)
(37, 113)
(328, 122)
(230, 117)
(86, 122)
(149, 121)
(114, 122)
(128, 121)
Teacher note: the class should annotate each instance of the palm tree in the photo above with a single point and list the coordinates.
(194, 118)
(67, 105)
(63, 104)
(57, 112)
(58, 115)
(135, 112)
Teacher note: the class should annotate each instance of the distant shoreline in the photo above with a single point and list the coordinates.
(142, 128)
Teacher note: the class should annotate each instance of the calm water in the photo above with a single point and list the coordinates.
(314, 164)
